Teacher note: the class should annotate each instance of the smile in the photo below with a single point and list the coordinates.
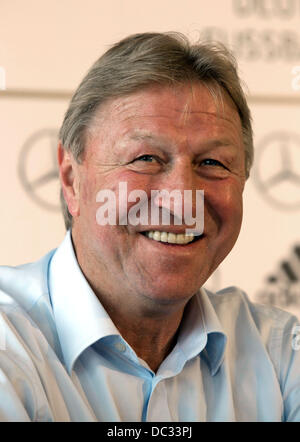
(171, 238)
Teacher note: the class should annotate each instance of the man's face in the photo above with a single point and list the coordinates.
(160, 138)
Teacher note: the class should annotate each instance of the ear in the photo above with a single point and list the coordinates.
(69, 179)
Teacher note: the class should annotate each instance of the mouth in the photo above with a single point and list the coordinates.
(170, 238)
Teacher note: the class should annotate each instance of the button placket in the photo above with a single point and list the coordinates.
(158, 407)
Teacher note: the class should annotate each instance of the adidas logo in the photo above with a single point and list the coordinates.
(282, 288)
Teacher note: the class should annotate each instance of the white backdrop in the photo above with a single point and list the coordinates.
(45, 49)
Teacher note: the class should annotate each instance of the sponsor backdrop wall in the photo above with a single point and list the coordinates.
(45, 49)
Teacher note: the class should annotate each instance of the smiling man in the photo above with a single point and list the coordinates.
(115, 324)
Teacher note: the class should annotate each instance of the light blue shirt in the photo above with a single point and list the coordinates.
(63, 359)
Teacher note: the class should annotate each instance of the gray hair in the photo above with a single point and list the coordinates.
(142, 60)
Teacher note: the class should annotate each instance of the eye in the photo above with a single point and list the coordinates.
(146, 158)
(212, 162)
(147, 163)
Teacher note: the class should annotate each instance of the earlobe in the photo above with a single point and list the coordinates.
(69, 179)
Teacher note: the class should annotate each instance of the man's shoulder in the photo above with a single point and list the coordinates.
(24, 297)
(233, 305)
(25, 305)
(25, 284)
(255, 331)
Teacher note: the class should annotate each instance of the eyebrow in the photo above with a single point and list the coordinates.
(218, 143)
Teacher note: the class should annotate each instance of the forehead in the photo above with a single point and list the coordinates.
(186, 105)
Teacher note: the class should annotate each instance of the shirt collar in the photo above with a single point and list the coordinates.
(201, 332)
(216, 339)
(80, 318)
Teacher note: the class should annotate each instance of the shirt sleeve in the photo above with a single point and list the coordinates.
(22, 398)
(12, 392)
(290, 370)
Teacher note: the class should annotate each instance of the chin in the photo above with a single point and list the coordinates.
(171, 295)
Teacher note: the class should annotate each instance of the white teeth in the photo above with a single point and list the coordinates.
(172, 238)
(156, 235)
(164, 236)
(180, 239)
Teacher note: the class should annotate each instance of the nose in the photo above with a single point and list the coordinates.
(180, 175)
(180, 195)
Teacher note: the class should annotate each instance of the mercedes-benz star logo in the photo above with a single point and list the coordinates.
(277, 170)
(38, 169)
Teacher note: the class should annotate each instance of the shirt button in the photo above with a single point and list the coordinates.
(121, 347)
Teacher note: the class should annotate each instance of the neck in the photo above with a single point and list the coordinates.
(152, 339)
(150, 328)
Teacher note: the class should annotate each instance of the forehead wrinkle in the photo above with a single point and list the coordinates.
(149, 137)
(185, 114)
(164, 143)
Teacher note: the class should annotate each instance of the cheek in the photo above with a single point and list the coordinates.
(88, 189)
(225, 204)
(127, 185)
(121, 183)
(89, 206)
(231, 206)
